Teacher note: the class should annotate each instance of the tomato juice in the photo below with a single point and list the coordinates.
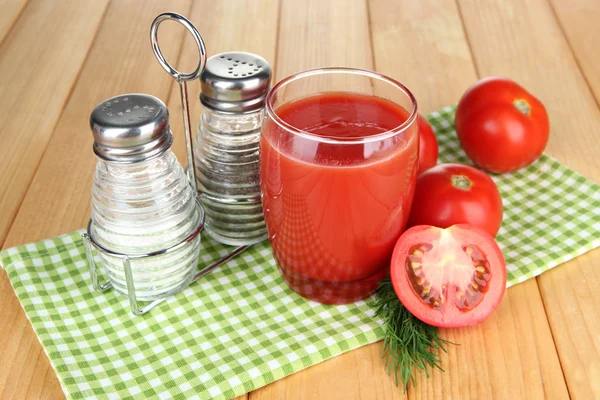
(338, 173)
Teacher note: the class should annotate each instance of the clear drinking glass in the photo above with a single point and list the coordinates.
(338, 164)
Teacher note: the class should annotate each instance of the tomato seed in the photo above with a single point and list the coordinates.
(480, 269)
(481, 282)
(420, 285)
(475, 285)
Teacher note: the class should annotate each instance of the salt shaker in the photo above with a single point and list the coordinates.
(233, 90)
(145, 217)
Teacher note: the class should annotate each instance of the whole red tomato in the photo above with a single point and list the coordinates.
(428, 146)
(450, 194)
(501, 126)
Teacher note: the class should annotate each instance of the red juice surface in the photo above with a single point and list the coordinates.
(335, 210)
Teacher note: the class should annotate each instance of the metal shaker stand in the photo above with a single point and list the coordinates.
(88, 239)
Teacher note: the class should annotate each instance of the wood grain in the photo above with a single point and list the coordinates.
(57, 201)
(579, 21)
(358, 374)
(121, 61)
(314, 34)
(214, 20)
(321, 34)
(34, 84)
(11, 9)
(509, 356)
(438, 48)
(423, 45)
(524, 41)
(570, 294)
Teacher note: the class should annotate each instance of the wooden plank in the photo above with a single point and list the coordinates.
(37, 76)
(214, 20)
(342, 371)
(358, 374)
(57, 201)
(422, 44)
(511, 355)
(579, 21)
(524, 41)
(121, 61)
(323, 33)
(570, 294)
(11, 9)
(315, 34)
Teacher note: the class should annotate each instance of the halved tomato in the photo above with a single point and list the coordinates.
(449, 277)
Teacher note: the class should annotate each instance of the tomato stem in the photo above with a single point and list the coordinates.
(461, 182)
(522, 106)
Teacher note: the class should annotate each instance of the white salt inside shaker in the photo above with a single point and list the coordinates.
(141, 198)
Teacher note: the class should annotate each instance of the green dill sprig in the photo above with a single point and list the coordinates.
(409, 342)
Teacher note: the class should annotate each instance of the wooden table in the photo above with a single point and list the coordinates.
(58, 59)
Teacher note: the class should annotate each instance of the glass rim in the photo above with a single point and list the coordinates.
(340, 70)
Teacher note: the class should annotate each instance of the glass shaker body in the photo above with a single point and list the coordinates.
(145, 207)
(234, 86)
(226, 152)
(142, 202)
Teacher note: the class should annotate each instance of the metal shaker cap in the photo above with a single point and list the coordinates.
(235, 82)
(130, 128)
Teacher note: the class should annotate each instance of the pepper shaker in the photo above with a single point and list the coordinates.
(234, 86)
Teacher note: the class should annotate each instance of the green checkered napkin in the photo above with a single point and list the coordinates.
(551, 213)
(240, 327)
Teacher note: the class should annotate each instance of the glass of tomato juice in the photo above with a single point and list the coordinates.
(338, 164)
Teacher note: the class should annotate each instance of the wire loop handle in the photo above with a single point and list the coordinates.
(88, 239)
(179, 76)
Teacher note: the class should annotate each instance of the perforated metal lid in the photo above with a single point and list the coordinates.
(235, 82)
(130, 128)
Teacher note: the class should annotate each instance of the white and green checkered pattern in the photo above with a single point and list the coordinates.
(551, 213)
(240, 327)
(234, 331)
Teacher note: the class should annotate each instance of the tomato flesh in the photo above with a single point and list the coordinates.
(448, 277)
